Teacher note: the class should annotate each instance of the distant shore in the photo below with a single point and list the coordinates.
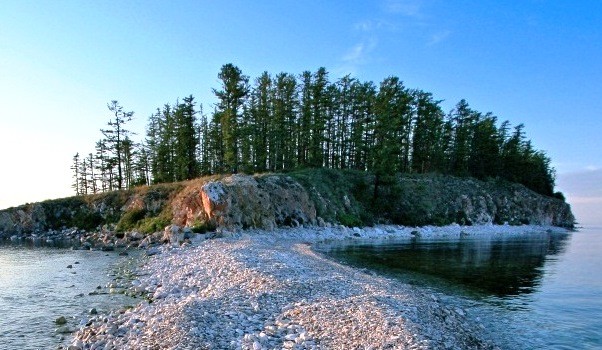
(268, 289)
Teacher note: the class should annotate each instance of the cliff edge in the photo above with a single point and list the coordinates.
(308, 197)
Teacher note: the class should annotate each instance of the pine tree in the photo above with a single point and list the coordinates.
(185, 140)
(428, 148)
(319, 102)
(163, 166)
(92, 179)
(305, 120)
(362, 129)
(116, 135)
(75, 168)
(102, 165)
(204, 149)
(462, 119)
(484, 160)
(260, 112)
(232, 96)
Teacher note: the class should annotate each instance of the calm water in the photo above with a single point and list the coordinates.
(537, 291)
(36, 287)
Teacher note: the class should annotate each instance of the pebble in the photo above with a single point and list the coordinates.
(268, 290)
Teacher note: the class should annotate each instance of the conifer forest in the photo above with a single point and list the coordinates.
(284, 122)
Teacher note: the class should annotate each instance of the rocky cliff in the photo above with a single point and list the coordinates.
(310, 197)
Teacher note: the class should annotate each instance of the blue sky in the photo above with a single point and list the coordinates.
(534, 61)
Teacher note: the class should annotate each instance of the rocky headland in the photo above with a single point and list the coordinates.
(166, 212)
(260, 286)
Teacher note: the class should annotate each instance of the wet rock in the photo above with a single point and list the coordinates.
(63, 330)
(153, 251)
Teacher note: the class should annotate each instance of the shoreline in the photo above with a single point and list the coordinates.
(268, 289)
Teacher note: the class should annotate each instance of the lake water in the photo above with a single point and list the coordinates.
(535, 291)
(36, 287)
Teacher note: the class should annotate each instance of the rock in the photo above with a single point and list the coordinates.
(60, 320)
(153, 251)
(134, 236)
(107, 248)
(321, 222)
(93, 311)
(460, 312)
(69, 266)
(290, 337)
(63, 330)
(173, 234)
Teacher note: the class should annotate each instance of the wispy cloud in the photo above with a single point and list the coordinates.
(357, 56)
(359, 53)
(372, 25)
(408, 8)
(438, 37)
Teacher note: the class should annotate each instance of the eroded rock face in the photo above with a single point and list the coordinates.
(24, 219)
(242, 201)
(468, 201)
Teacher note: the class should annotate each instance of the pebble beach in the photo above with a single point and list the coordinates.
(269, 290)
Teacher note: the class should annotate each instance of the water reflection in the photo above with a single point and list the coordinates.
(498, 266)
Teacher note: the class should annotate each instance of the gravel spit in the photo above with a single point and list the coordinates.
(269, 290)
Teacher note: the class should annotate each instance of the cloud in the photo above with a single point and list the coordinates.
(408, 8)
(356, 56)
(359, 52)
(438, 37)
(372, 25)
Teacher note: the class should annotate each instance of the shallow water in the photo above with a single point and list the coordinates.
(36, 287)
(535, 291)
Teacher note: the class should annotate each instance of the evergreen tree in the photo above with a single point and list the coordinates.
(185, 140)
(428, 148)
(91, 183)
(75, 168)
(102, 165)
(362, 129)
(319, 101)
(462, 119)
(204, 149)
(232, 96)
(116, 135)
(283, 123)
(164, 166)
(260, 112)
(305, 120)
(484, 159)
(391, 153)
